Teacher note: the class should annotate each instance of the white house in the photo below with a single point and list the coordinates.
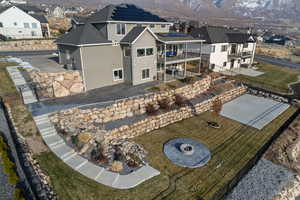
(17, 24)
(225, 49)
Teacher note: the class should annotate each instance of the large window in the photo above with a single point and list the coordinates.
(149, 51)
(223, 48)
(245, 45)
(121, 29)
(118, 74)
(34, 25)
(152, 25)
(140, 52)
(145, 74)
(1, 25)
(26, 25)
(163, 26)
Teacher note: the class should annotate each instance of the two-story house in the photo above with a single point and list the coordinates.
(16, 23)
(224, 48)
(126, 44)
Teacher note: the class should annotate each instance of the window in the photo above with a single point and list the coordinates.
(245, 45)
(34, 25)
(224, 64)
(163, 26)
(140, 52)
(118, 74)
(121, 29)
(33, 33)
(213, 49)
(212, 66)
(15, 23)
(149, 51)
(127, 52)
(145, 74)
(26, 25)
(152, 25)
(223, 48)
(1, 24)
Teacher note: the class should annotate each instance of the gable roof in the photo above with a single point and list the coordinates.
(213, 34)
(124, 12)
(41, 18)
(133, 34)
(83, 35)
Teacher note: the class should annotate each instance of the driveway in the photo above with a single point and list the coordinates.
(280, 62)
(26, 53)
(101, 97)
(45, 63)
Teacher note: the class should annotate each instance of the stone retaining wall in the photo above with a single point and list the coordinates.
(155, 122)
(58, 84)
(137, 105)
(27, 45)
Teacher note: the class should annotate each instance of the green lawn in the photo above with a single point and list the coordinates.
(233, 146)
(276, 78)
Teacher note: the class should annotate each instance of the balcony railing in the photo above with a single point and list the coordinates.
(173, 58)
(240, 54)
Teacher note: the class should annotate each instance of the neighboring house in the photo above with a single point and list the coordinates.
(125, 44)
(57, 12)
(17, 24)
(224, 48)
(11, 2)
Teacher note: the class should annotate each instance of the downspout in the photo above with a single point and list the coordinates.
(200, 60)
(185, 57)
(165, 60)
(82, 70)
(253, 54)
(131, 63)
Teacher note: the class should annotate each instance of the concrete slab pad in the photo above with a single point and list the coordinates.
(90, 170)
(62, 150)
(75, 161)
(107, 178)
(253, 111)
(249, 72)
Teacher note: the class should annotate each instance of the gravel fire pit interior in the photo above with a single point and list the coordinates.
(187, 152)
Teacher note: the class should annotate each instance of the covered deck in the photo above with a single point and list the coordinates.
(175, 50)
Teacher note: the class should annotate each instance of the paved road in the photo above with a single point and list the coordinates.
(280, 62)
(27, 53)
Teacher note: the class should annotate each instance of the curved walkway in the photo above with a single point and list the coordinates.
(69, 156)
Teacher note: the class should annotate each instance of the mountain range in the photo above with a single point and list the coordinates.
(269, 9)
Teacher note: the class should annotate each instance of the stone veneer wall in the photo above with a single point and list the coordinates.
(58, 84)
(155, 122)
(137, 105)
(26, 45)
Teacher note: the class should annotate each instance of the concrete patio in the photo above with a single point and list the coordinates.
(253, 111)
(242, 71)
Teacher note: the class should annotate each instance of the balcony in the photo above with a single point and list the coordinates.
(246, 54)
(173, 58)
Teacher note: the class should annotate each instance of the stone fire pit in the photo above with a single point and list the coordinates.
(187, 152)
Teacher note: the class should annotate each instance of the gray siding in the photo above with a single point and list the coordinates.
(74, 53)
(140, 63)
(98, 65)
(127, 66)
(112, 30)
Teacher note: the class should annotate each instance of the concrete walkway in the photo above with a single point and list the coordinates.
(70, 157)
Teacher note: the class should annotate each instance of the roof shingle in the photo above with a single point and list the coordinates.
(133, 34)
(83, 35)
(124, 12)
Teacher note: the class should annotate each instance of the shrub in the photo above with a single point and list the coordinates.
(217, 106)
(165, 104)
(188, 80)
(151, 109)
(180, 100)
